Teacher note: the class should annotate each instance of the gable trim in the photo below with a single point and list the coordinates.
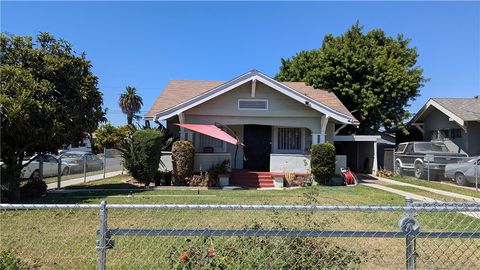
(442, 109)
(257, 76)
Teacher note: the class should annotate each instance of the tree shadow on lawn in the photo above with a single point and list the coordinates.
(88, 194)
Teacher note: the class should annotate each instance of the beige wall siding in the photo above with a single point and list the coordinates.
(279, 105)
(330, 132)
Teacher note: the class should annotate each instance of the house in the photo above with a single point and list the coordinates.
(272, 124)
(454, 121)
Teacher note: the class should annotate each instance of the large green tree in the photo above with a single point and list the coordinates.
(130, 103)
(48, 96)
(374, 75)
(110, 136)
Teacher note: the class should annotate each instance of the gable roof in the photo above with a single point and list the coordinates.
(468, 109)
(180, 95)
(460, 110)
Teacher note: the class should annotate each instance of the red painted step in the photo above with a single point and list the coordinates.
(251, 179)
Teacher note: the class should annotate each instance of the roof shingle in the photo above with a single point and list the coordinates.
(468, 109)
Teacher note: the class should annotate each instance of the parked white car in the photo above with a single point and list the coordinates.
(50, 167)
(463, 173)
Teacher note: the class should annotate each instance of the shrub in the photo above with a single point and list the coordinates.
(323, 162)
(183, 157)
(201, 180)
(216, 170)
(163, 178)
(34, 188)
(384, 173)
(141, 154)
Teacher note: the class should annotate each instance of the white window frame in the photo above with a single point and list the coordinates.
(292, 151)
(252, 99)
(215, 149)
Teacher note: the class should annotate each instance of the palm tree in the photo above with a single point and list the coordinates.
(130, 103)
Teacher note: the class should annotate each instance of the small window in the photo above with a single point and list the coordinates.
(253, 104)
(289, 139)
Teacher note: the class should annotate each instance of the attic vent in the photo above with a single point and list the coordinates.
(253, 104)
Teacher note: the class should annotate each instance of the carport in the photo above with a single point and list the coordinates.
(364, 152)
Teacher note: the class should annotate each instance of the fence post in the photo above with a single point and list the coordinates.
(410, 241)
(102, 237)
(40, 167)
(476, 164)
(104, 161)
(428, 170)
(84, 168)
(59, 172)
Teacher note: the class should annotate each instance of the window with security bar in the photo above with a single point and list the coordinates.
(289, 139)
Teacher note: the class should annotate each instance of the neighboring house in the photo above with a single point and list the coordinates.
(276, 121)
(454, 121)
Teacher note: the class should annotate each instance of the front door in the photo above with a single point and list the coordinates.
(258, 146)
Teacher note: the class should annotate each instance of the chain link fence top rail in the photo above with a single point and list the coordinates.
(419, 235)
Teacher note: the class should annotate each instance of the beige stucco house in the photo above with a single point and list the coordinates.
(277, 122)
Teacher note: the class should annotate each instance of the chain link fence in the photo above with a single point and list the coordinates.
(74, 167)
(461, 170)
(417, 235)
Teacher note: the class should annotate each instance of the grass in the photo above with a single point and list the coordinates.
(425, 193)
(61, 238)
(436, 185)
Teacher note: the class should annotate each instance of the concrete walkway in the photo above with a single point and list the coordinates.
(464, 187)
(414, 196)
(80, 180)
(432, 190)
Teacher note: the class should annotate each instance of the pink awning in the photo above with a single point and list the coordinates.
(212, 131)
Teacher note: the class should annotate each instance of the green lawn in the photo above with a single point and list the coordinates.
(65, 239)
(436, 185)
(425, 193)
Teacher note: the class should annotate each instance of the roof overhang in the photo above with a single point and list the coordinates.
(362, 138)
(259, 77)
(418, 118)
(357, 138)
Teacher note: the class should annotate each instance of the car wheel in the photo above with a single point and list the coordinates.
(460, 179)
(35, 175)
(419, 173)
(65, 171)
(398, 168)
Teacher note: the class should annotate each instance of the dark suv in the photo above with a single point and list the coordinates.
(411, 156)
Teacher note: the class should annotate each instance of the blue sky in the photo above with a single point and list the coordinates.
(145, 44)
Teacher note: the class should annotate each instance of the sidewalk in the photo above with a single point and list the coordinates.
(80, 180)
(432, 190)
(372, 183)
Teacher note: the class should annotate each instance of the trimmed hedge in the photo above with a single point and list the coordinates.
(323, 162)
(143, 156)
(183, 157)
